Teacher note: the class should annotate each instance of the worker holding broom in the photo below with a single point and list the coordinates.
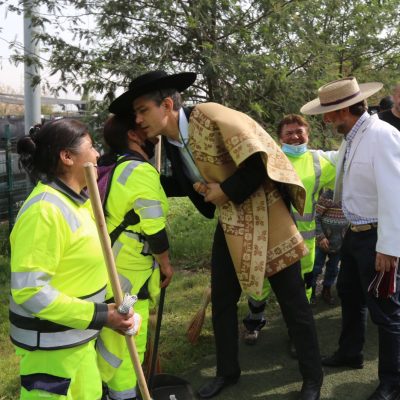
(135, 208)
(58, 275)
(232, 163)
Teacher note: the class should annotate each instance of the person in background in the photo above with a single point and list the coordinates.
(139, 248)
(386, 103)
(392, 116)
(58, 274)
(368, 183)
(316, 172)
(331, 226)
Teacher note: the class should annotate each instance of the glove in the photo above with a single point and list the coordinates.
(124, 308)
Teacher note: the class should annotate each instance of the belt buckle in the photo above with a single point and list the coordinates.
(362, 227)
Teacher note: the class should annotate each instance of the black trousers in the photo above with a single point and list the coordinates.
(356, 273)
(289, 290)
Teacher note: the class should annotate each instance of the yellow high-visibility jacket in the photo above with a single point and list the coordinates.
(315, 173)
(58, 274)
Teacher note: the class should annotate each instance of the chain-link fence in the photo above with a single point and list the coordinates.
(14, 186)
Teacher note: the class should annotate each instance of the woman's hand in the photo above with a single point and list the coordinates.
(166, 269)
(117, 321)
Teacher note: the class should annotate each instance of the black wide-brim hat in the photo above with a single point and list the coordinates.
(147, 83)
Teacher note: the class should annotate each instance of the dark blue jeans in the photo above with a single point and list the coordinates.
(356, 272)
(331, 269)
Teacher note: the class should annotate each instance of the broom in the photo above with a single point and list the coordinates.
(196, 323)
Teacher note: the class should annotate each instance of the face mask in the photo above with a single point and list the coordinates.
(294, 150)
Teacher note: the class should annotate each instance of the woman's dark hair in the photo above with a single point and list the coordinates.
(40, 150)
(115, 133)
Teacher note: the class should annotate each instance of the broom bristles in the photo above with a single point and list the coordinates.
(196, 323)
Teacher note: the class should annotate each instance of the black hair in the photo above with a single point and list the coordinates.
(159, 95)
(359, 108)
(40, 151)
(386, 103)
(115, 134)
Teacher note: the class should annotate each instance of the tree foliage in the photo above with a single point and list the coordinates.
(264, 57)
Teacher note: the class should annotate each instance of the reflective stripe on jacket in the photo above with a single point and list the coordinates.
(315, 173)
(58, 275)
(136, 185)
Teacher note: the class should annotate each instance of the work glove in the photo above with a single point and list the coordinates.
(124, 308)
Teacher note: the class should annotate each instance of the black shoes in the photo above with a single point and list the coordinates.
(310, 390)
(212, 388)
(386, 392)
(337, 360)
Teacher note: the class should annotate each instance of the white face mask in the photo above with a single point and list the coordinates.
(294, 150)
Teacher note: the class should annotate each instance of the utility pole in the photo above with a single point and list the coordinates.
(31, 69)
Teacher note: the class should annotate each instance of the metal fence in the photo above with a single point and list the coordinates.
(14, 186)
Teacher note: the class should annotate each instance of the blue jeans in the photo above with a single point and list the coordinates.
(331, 269)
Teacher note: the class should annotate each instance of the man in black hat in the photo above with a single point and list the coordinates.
(155, 99)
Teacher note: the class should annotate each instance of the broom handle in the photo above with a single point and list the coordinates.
(156, 337)
(94, 195)
(206, 298)
(158, 154)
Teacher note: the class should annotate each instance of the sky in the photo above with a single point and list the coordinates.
(11, 28)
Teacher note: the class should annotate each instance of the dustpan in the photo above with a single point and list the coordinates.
(166, 386)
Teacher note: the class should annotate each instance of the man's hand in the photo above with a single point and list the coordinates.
(214, 194)
(384, 262)
(324, 244)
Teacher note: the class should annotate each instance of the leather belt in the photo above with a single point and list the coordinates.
(363, 227)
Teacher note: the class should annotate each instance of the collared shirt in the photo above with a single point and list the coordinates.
(351, 217)
(78, 198)
(189, 165)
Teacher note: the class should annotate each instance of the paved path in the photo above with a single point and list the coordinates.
(269, 373)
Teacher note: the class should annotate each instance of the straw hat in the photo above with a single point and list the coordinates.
(340, 94)
(146, 83)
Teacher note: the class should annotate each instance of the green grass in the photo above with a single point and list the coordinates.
(190, 235)
(9, 380)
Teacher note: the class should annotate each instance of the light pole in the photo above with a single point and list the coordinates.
(31, 69)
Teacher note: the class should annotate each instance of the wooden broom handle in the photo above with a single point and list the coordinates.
(90, 176)
(158, 154)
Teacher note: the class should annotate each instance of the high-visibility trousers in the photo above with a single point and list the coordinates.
(114, 361)
(48, 373)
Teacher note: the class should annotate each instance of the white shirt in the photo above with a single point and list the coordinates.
(188, 163)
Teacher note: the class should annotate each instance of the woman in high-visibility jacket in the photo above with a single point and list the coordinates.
(140, 247)
(58, 275)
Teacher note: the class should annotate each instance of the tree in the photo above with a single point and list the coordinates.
(264, 57)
